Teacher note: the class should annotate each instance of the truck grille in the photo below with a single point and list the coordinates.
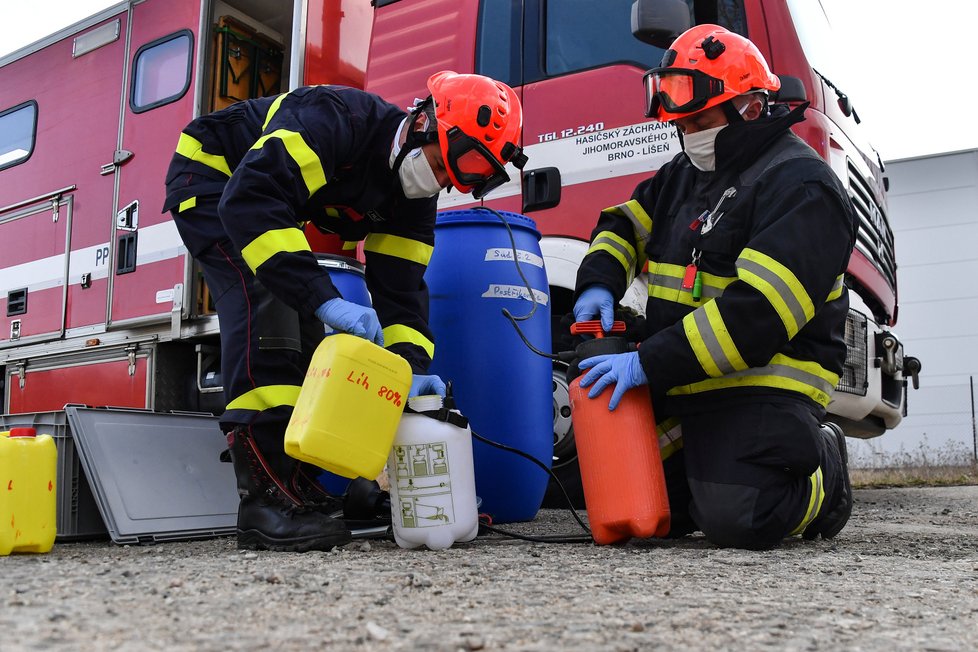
(873, 236)
(853, 378)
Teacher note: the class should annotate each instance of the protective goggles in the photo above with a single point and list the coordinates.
(472, 164)
(678, 90)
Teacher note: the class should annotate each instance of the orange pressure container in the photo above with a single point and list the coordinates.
(618, 452)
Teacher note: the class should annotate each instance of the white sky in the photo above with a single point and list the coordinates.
(909, 72)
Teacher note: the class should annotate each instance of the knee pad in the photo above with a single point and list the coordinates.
(725, 514)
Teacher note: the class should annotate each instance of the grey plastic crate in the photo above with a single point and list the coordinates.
(78, 517)
(156, 477)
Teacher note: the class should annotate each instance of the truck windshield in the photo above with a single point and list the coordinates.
(579, 37)
(822, 48)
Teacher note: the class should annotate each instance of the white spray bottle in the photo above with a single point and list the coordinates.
(432, 476)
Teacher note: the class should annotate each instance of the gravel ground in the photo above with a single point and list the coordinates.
(902, 576)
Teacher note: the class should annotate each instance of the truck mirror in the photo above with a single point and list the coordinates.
(792, 90)
(660, 22)
(541, 189)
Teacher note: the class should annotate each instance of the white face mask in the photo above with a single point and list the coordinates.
(700, 147)
(417, 178)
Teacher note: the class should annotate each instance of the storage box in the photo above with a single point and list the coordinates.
(78, 517)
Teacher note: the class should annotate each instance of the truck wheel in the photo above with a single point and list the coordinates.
(565, 465)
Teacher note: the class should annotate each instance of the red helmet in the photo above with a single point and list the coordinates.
(480, 122)
(706, 66)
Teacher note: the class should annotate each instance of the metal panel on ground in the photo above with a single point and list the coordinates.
(156, 477)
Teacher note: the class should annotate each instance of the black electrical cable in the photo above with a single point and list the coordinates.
(543, 466)
(566, 356)
(542, 539)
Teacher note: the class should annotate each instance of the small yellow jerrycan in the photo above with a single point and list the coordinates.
(28, 495)
(349, 407)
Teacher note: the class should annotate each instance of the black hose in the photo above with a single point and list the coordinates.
(563, 357)
(543, 466)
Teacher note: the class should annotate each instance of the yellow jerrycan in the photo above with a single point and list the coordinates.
(28, 493)
(349, 407)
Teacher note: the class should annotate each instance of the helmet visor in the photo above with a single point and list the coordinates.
(473, 165)
(678, 90)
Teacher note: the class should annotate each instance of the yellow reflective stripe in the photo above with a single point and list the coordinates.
(350, 244)
(395, 245)
(665, 282)
(186, 204)
(700, 349)
(273, 109)
(641, 224)
(711, 342)
(272, 242)
(780, 286)
(640, 220)
(815, 499)
(614, 251)
(618, 247)
(805, 377)
(670, 438)
(267, 397)
(837, 288)
(399, 333)
(726, 342)
(193, 149)
(623, 245)
(309, 164)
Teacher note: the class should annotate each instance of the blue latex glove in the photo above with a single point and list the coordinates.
(622, 369)
(348, 317)
(596, 300)
(424, 385)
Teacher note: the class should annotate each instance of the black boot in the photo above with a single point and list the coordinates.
(834, 516)
(306, 487)
(271, 516)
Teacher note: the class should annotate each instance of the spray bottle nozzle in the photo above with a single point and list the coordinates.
(449, 402)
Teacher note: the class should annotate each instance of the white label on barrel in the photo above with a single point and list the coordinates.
(506, 254)
(514, 292)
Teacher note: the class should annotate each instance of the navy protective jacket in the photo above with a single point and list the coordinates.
(317, 154)
(769, 233)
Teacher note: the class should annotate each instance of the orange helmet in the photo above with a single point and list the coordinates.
(706, 66)
(480, 122)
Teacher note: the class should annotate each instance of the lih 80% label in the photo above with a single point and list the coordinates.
(390, 395)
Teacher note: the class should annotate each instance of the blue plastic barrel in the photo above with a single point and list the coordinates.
(500, 385)
(347, 275)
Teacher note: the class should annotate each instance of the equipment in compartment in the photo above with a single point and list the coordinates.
(246, 64)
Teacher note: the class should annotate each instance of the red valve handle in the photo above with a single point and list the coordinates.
(594, 328)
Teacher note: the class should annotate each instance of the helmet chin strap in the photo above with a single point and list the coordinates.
(414, 138)
(734, 115)
(731, 112)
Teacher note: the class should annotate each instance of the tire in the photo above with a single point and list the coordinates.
(565, 465)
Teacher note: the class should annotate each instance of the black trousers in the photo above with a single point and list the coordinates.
(750, 474)
(266, 346)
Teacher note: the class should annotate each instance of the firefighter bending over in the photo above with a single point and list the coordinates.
(242, 184)
(747, 235)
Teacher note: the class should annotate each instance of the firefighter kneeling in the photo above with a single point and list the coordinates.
(747, 235)
(243, 182)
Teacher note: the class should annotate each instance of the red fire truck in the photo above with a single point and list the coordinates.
(100, 303)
